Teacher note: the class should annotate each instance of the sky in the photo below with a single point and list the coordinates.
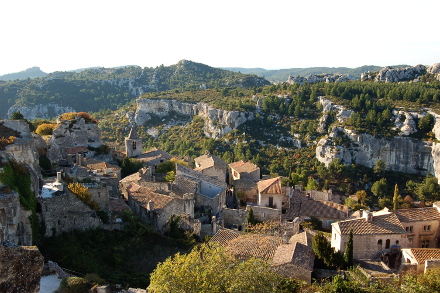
(67, 35)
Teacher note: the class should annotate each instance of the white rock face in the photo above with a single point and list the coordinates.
(40, 111)
(217, 122)
(400, 154)
(312, 78)
(69, 134)
(389, 74)
(342, 114)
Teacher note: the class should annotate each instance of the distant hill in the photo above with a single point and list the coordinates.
(32, 72)
(109, 88)
(283, 74)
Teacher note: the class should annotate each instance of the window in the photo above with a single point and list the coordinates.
(397, 242)
(427, 228)
(425, 243)
(409, 229)
(134, 145)
(263, 215)
(379, 244)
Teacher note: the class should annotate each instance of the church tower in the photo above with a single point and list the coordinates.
(133, 143)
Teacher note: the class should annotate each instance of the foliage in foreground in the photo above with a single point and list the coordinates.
(209, 268)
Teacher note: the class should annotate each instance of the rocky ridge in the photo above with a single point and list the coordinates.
(390, 74)
(217, 122)
(312, 78)
(40, 111)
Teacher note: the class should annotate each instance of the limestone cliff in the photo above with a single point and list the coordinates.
(40, 111)
(72, 133)
(312, 78)
(217, 122)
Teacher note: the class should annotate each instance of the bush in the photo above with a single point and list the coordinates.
(45, 129)
(68, 116)
(73, 285)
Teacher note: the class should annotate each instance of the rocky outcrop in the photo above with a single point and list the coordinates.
(389, 74)
(400, 154)
(72, 133)
(14, 220)
(342, 114)
(217, 122)
(40, 111)
(20, 269)
(312, 78)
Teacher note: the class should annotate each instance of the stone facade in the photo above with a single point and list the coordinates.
(234, 218)
(66, 213)
(20, 269)
(14, 222)
(265, 214)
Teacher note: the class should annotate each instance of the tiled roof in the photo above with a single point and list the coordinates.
(131, 178)
(419, 214)
(154, 154)
(422, 254)
(380, 224)
(96, 165)
(296, 254)
(207, 161)
(245, 167)
(303, 238)
(180, 169)
(143, 195)
(118, 205)
(76, 150)
(223, 236)
(254, 245)
(183, 184)
(271, 186)
(301, 205)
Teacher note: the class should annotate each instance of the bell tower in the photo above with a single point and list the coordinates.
(133, 143)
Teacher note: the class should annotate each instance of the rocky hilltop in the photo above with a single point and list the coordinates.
(312, 78)
(40, 111)
(390, 74)
(400, 153)
(217, 122)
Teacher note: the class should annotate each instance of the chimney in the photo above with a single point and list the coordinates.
(150, 206)
(361, 213)
(285, 238)
(368, 216)
(59, 177)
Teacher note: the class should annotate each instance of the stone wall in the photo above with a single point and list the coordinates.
(100, 195)
(234, 217)
(263, 214)
(66, 213)
(20, 269)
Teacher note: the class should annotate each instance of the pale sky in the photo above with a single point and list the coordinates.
(66, 35)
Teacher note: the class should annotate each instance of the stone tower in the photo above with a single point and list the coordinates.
(133, 143)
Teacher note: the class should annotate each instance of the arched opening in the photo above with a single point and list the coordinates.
(379, 244)
(387, 244)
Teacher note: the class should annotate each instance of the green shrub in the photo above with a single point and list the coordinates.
(73, 285)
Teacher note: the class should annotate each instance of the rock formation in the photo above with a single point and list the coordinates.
(20, 269)
(40, 111)
(389, 74)
(14, 222)
(217, 122)
(312, 78)
(72, 133)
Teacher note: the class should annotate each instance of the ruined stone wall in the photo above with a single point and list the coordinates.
(66, 213)
(20, 269)
(215, 203)
(101, 196)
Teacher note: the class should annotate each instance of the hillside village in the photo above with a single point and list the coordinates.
(212, 198)
(305, 232)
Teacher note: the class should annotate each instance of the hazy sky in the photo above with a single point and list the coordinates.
(66, 35)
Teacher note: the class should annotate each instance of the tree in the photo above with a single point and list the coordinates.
(170, 176)
(17, 116)
(311, 184)
(396, 197)
(426, 123)
(209, 268)
(429, 189)
(361, 196)
(45, 129)
(379, 167)
(348, 253)
(250, 219)
(379, 188)
(323, 250)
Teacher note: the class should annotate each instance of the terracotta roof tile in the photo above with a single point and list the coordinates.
(96, 165)
(271, 186)
(245, 167)
(143, 195)
(254, 245)
(223, 236)
(422, 254)
(419, 214)
(207, 161)
(380, 224)
(194, 174)
(301, 205)
(296, 254)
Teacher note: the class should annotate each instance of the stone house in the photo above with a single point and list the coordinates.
(422, 225)
(65, 212)
(372, 234)
(304, 207)
(157, 206)
(100, 168)
(270, 193)
(212, 166)
(295, 258)
(241, 169)
(209, 191)
(154, 157)
(420, 258)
